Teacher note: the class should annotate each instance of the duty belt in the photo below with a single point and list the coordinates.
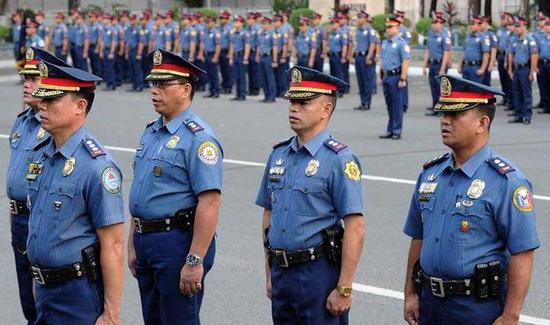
(501, 52)
(442, 288)
(472, 62)
(265, 55)
(544, 61)
(361, 53)
(62, 274)
(286, 259)
(18, 207)
(392, 72)
(521, 65)
(435, 61)
(183, 219)
(331, 54)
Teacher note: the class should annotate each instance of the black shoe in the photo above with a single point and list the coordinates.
(429, 108)
(543, 112)
(215, 95)
(208, 96)
(226, 91)
(511, 114)
(539, 105)
(396, 137)
(526, 121)
(367, 108)
(359, 108)
(263, 101)
(516, 120)
(507, 109)
(241, 99)
(234, 98)
(432, 114)
(388, 135)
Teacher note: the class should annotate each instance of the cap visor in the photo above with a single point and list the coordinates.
(454, 107)
(161, 76)
(48, 93)
(29, 72)
(300, 95)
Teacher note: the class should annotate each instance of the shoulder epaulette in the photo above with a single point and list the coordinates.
(150, 123)
(42, 143)
(500, 166)
(435, 160)
(23, 112)
(93, 148)
(335, 145)
(193, 126)
(283, 142)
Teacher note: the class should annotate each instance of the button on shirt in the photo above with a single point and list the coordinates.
(67, 209)
(475, 45)
(523, 48)
(438, 43)
(459, 229)
(394, 51)
(24, 136)
(169, 175)
(301, 205)
(60, 33)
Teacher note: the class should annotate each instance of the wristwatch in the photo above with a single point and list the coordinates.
(193, 260)
(345, 291)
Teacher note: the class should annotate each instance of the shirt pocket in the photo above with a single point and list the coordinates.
(61, 200)
(309, 196)
(467, 223)
(427, 214)
(168, 164)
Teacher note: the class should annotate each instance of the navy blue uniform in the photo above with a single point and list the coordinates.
(281, 79)
(364, 37)
(266, 41)
(544, 70)
(503, 39)
(336, 42)
(521, 49)
(136, 36)
(319, 32)
(60, 34)
(211, 37)
(253, 66)
(225, 69)
(475, 46)
(80, 37)
(304, 43)
(438, 44)
(94, 34)
(239, 40)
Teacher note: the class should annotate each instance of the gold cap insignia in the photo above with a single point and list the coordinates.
(29, 55)
(157, 57)
(296, 76)
(445, 88)
(43, 70)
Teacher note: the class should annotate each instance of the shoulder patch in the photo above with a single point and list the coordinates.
(500, 166)
(193, 126)
(435, 160)
(93, 148)
(282, 142)
(335, 145)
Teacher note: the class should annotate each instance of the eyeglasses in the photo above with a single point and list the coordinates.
(163, 84)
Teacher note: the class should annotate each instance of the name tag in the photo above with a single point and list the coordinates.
(427, 188)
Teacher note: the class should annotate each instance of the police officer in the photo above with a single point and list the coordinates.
(365, 47)
(25, 134)
(225, 69)
(405, 34)
(471, 220)
(173, 27)
(485, 28)
(186, 41)
(321, 37)
(345, 32)
(145, 68)
(239, 54)
(76, 230)
(81, 43)
(337, 46)
(522, 63)
(120, 26)
(284, 51)
(544, 66)
(305, 45)
(43, 30)
(16, 34)
(503, 39)
(311, 184)
(160, 37)
(210, 52)
(94, 30)
(267, 58)
(286, 29)
(477, 48)
(32, 38)
(396, 57)
(253, 29)
(61, 37)
(174, 199)
(107, 52)
(71, 34)
(198, 23)
(539, 35)
(437, 57)
(134, 53)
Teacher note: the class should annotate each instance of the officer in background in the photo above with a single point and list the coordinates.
(305, 44)
(503, 39)
(175, 198)
(25, 134)
(81, 43)
(522, 64)
(485, 28)
(321, 37)
(267, 59)
(134, 54)
(476, 256)
(310, 260)
(253, 29)
(94, 31)
(365, 48)
(210, 51)
(173, 27)
(539, 35)
(284, 51)
(370, 20)
(396, 58)
(345, 33)
(477, 48)
(239, 54)
(109, 42)
(145, 68)
(225, 69)
(544, 66)
(160, 37)
(186, 42)
(71, 32)
(120, 26)
(198, 23)
(286, 28)
(17, 20)
(43, 30)
(61, 37)
(76, 230)
(337, 46)
(32, 39)
(437, 58)
(405, 34)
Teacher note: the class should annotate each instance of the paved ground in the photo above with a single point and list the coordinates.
(235, 287)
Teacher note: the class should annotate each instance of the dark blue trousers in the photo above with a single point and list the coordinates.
(318, 63)
(345, 71)
(253, 70)
(120, 74)
(95, 64)
(336, 70)
(486, 80)
(267, 76)
(364, 79)
(77, 301)
(108, 69)
(185, 54)
(203, 79)
(299, 293)
(213, 74)
(80, 63)
(469, 72)
(159, 259)
(58, 53)
(457, 310)
(136, 72)
(522, 93)
(433, 72)
(225, 69)
(394, 103)
(303, 60)
(282, 78)
(544, 85)
(505, 81)
(19, 232)
(239, 74)
(146, 66)
(72, 52)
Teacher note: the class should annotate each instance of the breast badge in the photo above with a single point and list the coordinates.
(312, 167)
(476, 189)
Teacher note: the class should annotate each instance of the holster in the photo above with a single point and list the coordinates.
(266, 246)
(416, 278)
(333, 238)
(91, 261)
(487, 281)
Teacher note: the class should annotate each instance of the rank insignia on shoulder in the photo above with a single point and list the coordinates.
(335, 145)
(93, 148)
(435, 160)
(500, 166)
(193, 126)
(282, 142)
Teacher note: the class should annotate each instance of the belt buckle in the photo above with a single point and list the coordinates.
(137, 223)
(285, 259)
(37, 274)
(437, 287)
(13, 207)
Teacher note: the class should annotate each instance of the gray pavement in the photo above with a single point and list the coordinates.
(235, 286)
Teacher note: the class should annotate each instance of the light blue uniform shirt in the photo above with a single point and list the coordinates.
(239, 40)
(81, 34)
(16, 33)
(523, 48)
(267, 40)
(544, 47)
(187, 35)
(225, 36)
(60, 33)
(475, 45)
(394, 51)
(405, 33)
(211, 38)
(438, 43)
(305, 42)
(336, 40)
(110, 34)
(253, 30)
(35, 41)
(364, 37)
(503, 38)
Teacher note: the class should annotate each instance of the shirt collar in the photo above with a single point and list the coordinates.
(175, 123)
(70, 146)
(313, 145)
(472, 165)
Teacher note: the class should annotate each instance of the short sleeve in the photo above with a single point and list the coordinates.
(205, 161)
(533, 49)
(346, 187)
(104, 198)
(485, 44)
(446, 42)
(413, 224)
(405, 51)
(263, 198)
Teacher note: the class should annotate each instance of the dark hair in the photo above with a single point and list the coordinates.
(86, 95)
(193, 82)
(487, 110)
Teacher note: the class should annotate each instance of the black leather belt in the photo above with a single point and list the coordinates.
(183, 219)
(521, 65)
(62, 274)
(472, 62)
(18, 208)
(442, 288)
(288, 258)
(361, 53)
(392, 72)
(435, 61)
(544, 61)
(303, 56)
(238, 53)
(501, 52)
(332, 54)
(265, 55)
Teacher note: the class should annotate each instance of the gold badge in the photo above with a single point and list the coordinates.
(445, 88)
(43, 69)
(352, 171)
(296, 76)
(172, 142)
(29, 55)
(69, 166)
(40, 134)
(157, 57)
(312, 167)
(157, 171)
(476, 189)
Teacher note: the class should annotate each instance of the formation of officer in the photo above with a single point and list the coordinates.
(471, 220)
(310, 186)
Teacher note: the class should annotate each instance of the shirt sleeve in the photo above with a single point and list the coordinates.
(446, 42)
(533, 49)
(205, 161)
(485, 44)
(345, 185)
(413, 225)
(263, 198)
(405, 51)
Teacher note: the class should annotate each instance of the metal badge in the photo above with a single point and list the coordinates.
(312, 167)
(172, 142)
(476, 189)
(467, 203)
(35, 169)
(40, 134)
(157, 171)
(427, 188)
(69, 166)
(57, 205)
(279, 162)
(14, 137)
(432, 177)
